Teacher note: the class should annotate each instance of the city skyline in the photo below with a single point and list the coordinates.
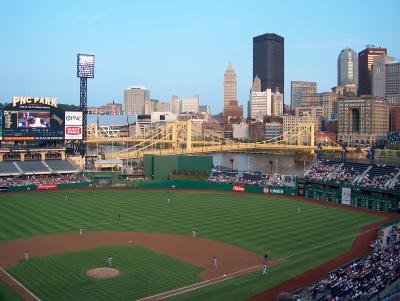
(160, 54)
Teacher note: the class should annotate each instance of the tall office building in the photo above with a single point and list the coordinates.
(268, 61)
(326, 100)
(256, 87)
(362, 120)
(135, 98)
(260, 104)
(175, 104)
(230, 85)
(185, 105)
(386, 78)
(232, 111)
(277, 104)
(297, 89)
(347, 67)
(379, 74)
(365, 61)
(190, 105)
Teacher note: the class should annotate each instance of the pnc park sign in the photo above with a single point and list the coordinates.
(29, 100)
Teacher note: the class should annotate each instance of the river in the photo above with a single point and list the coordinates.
(264, 162)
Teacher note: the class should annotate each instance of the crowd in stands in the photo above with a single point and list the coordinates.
(365, 175)
(43, 179)
(249, 178)
(320, 170)
(366, 277)
(378, 176)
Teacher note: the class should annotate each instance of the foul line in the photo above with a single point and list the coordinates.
(20, 284)
(219, 279)
(194, 286)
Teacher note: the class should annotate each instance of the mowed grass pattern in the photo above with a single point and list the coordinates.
(258, 223)
(143, 273)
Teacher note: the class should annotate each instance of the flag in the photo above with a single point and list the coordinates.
(113, 108)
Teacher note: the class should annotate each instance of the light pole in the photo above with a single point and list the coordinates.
(276, 166)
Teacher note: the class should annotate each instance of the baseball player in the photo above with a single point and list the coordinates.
(265, 265)
(81, 232)
(194, 233)
(66, 198)
(215, 261)
(26, 255)
(109, 261)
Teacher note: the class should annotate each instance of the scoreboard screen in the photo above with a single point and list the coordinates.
(33, 124)
(39, 118)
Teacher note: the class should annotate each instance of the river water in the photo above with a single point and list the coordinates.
(281, 163)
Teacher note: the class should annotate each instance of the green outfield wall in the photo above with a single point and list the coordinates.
(161, 167)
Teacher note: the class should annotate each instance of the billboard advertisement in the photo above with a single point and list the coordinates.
(73, 132)
(73, 118)
(73, 125)
(238, 188)
(346, 195)
(85, 65)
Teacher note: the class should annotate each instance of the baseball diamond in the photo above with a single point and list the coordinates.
(151, 244)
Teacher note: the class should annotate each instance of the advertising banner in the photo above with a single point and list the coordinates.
(73, 132)
(73, 118)
(46, 186)
(239, 188)
(346, 195)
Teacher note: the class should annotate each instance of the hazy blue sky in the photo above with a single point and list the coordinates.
(179, 47)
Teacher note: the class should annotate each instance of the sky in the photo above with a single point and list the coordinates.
(179, 47)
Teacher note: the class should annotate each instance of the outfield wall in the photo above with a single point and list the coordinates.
(46, 187)
(161, 167)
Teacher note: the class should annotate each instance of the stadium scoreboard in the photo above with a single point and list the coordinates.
(38, 118)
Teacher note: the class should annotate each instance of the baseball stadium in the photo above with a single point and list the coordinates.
(179, 227)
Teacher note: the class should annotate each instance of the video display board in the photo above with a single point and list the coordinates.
(39, 118)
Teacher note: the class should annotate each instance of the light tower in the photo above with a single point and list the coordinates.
(85, 70)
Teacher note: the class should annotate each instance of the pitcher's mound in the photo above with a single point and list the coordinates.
(103, 273)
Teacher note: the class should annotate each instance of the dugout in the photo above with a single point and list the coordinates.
(158, 167)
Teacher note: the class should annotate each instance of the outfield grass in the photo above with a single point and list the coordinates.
(143, 273)
(257, 223)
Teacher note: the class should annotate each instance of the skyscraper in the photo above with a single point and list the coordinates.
(347, 67)
(298, 88)
(379, 74)
(268, 61)
(365, 61)
(229, 85)
(232, 111)
(135, 98)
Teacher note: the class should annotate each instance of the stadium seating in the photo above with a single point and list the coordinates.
(14, 168)
(378, 176)
(364, 278)
(8, 168)
(249, 178)
(33, 167)
(62, 166)
(356, 174)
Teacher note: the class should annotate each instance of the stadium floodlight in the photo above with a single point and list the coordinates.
(85, 66)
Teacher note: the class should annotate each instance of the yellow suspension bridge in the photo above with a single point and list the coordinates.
(188, 137)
